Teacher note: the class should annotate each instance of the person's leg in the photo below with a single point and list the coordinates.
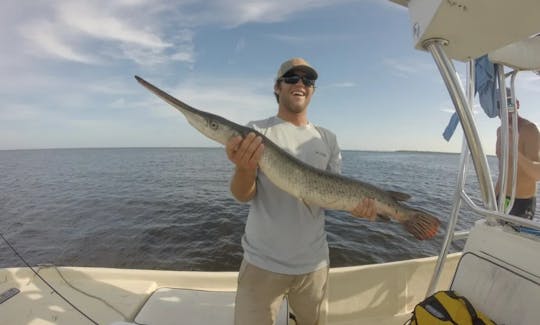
(308, 298)
(524, 208)
(259, 295)
(529, 212)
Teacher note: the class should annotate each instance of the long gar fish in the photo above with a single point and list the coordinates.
(307, 183)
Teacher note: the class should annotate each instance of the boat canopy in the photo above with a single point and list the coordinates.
(471, 29)
(468, 30)
(488, 35)
(522, 55)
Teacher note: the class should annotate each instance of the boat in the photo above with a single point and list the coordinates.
(498, 270)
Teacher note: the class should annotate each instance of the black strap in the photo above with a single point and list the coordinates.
(470, 308)
(433, 303)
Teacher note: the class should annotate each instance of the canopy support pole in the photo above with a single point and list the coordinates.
(471, 145)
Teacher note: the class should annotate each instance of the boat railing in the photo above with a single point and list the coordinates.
(508, 108)
(472, 149)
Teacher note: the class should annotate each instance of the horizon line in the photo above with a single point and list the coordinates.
(215, 147)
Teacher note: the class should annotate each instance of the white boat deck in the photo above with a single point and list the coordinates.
(502, 284)
(381, 293)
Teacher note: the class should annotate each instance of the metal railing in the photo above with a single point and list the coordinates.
(472, 148)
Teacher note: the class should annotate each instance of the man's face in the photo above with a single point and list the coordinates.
(294, 97)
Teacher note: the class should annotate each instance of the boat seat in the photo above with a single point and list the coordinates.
(168, 306)
(498, 290)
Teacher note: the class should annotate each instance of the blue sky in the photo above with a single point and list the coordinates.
(68, 66)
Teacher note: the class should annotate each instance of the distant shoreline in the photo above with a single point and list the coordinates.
(128, 148)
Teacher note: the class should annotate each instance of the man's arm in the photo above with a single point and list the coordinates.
(528, 158)
(531, 167)
(530, 136)
(245, 154)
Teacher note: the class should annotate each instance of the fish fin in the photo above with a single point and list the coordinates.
(422, 225)
(383, 218)
(399, 196)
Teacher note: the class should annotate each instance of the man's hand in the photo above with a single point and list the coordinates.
(245, 153)
(365, 209)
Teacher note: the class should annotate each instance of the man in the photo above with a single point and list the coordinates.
(528, 146)
(285, 247)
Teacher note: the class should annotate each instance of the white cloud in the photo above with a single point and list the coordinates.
(98, 31)
(449, 108)
(18, 112)
(312, 38)
(407, 67)
(45, 36)
(231, 98)
(233, 13)
(288, 38)
(104, 25)
(107, 87)
(139, 30)
(527, 81)
(342, 85)
(184, 56)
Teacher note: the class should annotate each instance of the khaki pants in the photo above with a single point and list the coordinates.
(261, 292)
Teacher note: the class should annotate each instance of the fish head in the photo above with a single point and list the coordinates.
(213, 126)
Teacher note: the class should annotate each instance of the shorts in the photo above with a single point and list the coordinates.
(523, 208)
(260, 293)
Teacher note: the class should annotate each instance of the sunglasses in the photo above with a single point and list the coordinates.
(293, 80)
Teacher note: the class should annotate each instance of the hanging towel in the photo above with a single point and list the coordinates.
(486, 87)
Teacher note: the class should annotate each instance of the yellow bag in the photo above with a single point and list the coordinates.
(445, 307)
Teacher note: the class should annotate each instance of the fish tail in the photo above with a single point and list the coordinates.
(422, 225)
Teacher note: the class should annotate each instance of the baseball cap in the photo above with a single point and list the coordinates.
(299, 64)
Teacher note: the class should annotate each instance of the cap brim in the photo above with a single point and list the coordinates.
(309, 71)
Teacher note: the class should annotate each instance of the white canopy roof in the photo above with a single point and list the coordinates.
(523, 55)
(477, 27)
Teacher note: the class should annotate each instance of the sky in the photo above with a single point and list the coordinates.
(67, 72)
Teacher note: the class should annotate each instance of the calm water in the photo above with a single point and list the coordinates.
(171, 208)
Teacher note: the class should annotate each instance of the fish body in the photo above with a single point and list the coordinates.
(305, 182)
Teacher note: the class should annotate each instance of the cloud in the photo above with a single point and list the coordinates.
(98, 31)
(46, 37)
(448, 108)
(342, 85)
(94, 32)
(311, 38)
(407, 67)
(105, 25)
(233, 13)
(231, 98)
(527, 81)
(18, 112)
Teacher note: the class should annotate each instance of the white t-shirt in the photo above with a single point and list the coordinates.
(282, 234)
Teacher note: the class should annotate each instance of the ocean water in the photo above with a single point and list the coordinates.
(170, 208)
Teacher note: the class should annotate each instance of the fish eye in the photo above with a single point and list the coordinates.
(213, 125)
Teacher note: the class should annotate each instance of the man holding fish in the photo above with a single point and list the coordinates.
(285, 246)
(288, 169)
